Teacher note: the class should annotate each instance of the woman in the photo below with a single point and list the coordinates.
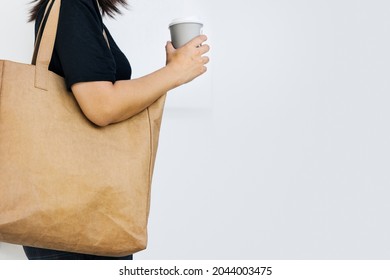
(99, 74)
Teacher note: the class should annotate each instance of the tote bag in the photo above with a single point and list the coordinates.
(65, 183)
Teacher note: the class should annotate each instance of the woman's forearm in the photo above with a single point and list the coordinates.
(112, 103)
(130, 97)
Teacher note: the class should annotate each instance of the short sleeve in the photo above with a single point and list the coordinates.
(80, 45)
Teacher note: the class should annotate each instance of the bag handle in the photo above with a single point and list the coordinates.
(39, 33)
(45, 44)
(104, 31)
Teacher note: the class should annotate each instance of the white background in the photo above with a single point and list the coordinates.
(281, 151)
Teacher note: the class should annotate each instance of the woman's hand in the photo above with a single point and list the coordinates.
(189, 61)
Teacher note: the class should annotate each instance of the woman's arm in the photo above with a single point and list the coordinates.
(105, 103)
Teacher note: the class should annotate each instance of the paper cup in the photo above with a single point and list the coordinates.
(184, 30)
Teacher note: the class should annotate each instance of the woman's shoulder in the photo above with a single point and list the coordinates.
(75, 5)
(80, 8)
(79, 3)
(72, 4)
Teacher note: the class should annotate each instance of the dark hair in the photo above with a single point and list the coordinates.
(109, 7)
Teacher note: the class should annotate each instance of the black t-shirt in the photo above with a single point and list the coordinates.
(81, 53)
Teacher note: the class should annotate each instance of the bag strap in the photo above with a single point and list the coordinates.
(45, 45)
(104, 31)
(39, 33)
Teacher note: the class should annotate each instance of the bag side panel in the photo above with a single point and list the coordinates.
(155, 114)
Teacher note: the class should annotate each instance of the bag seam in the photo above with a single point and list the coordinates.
(1, 78)
(151, 140)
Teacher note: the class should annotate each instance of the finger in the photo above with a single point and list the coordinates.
(197, 41)
(205, 59)
(203, 49)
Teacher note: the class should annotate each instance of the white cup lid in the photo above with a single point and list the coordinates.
(192, 19)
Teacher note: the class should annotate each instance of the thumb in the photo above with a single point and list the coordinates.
(169, 47)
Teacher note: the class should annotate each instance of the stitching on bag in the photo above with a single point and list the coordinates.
(151, 146)
(1, 77)
(150, 163)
